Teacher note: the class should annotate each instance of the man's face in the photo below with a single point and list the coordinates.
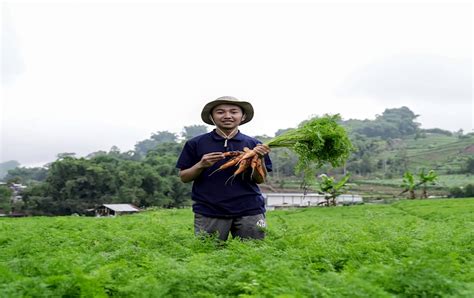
(227, 116)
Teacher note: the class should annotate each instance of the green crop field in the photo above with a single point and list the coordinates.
(442, 153)
(444, 181)
(422, 248)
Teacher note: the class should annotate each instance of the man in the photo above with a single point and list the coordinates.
(236, 207)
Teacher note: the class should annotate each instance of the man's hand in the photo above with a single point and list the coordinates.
(209, 159)
(262, 149)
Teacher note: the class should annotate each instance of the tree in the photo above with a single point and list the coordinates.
(437, 131)
(5, 198)
(6, 166)
(163, 161)
(332, 189)
(164, 137)
(403, 118)
(408, 185)
(263, 138)
(96, 153)
(430, 177)
(393, 123)
(460, 133)
(74, 185)
(401, 161)
(469, 167)
(282, 131)
(361, 160)
(27, 175)
(168, 149)
(192, 131)
(362, 166)
(65, 154)
(284, 162)
(142, 147)
(179, 193)
(36, 200)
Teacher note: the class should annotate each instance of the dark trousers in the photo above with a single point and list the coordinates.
(245, 227)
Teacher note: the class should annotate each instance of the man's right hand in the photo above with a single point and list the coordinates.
(211, 158)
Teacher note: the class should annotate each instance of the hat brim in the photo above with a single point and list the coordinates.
(246, 107)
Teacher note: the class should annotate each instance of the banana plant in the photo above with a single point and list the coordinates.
(332, 189)
(409, 185)
(430, 177)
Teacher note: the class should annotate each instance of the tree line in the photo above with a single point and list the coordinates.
(75, 185)
(146, 176)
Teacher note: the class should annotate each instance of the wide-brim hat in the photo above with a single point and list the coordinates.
(246, 107)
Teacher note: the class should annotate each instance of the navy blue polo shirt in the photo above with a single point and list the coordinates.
(212, 196)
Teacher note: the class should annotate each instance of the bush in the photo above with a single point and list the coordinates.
(469, 190)
(469, 166)
(462, 192)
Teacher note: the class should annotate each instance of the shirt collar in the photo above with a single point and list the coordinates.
(237, 137)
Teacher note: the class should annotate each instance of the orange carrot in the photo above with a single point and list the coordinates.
(232, 153)
(247, 155)
(260, 169)
(253, 164)
(228, 164)
(242, 167)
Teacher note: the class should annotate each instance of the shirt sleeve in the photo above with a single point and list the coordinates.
(188, 156)
(268, 163)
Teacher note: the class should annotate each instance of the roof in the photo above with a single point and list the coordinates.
(122, 207)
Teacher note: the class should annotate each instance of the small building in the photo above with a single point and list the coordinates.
(116, 209)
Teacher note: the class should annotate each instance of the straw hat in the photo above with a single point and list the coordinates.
(246, 107)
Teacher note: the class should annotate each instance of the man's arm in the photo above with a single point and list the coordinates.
(207, 160)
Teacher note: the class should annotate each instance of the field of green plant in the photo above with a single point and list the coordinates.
(444, 181)
(379, 188)
(420, 248)
(444, 154)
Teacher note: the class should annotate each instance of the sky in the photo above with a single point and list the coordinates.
(80, 76)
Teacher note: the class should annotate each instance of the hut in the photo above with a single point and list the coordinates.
(116, 209)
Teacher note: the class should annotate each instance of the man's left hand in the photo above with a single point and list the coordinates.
(262, 149)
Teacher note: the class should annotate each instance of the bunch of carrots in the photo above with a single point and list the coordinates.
(316, 142)
(243, 160)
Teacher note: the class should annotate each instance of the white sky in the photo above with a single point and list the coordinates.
(84, 76)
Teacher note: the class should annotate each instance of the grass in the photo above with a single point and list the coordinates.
(418, 248)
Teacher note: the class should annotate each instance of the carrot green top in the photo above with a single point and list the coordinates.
(316, 142)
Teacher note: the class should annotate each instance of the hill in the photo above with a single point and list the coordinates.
(410, 248)
(445, 154)
(6, 166)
